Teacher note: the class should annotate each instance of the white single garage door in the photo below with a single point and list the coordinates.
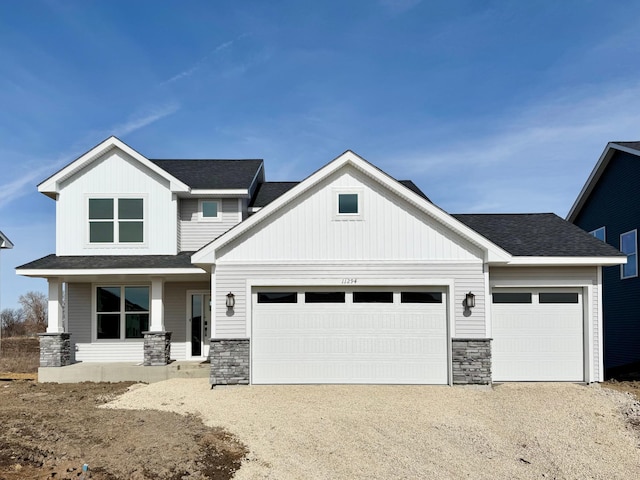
(538, 335)
(337, 335)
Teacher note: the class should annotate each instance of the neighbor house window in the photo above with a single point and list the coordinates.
(210, 210)
(599, 233)
(629, 246)
(121, 312)
(116, 220)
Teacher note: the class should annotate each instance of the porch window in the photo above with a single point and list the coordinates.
(122, 312)
(116, 220)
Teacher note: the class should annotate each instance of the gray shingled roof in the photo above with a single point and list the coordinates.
(267, 192)
(212, 174)
(86, 262)
(537, 235)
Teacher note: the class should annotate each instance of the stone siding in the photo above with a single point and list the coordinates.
(471, 358)
(55, 349)
(157, 348)
(229, 361)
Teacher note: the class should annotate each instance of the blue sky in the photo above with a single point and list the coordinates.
(489, 106)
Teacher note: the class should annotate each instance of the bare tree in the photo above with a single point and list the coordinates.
(12, 322)
(34, 305)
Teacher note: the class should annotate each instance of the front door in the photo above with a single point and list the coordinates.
(199, 319)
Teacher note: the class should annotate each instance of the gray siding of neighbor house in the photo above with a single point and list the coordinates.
(194, 234)
(614, 204)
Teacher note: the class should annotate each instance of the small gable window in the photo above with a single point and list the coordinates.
(116, 220)
(210, 210)
(348, 204)
(599, 233)
(629, 246)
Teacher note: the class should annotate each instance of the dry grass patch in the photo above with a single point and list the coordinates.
(19, 358)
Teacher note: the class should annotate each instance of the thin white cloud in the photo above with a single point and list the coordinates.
(200, 63)
(144, 118)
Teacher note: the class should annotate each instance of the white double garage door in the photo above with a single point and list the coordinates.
(400, 335)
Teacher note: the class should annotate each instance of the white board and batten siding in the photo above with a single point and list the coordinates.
(584, 281)
(195, 233)
(304, 243)
(117, 174)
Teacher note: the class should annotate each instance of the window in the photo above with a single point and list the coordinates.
(348, 204)
(599, 233)
(512, 297)
(277, 297)
(372, 297)
(557, 297)
(420, 297)
(629, 246)
(210, 211)
(324, 297)
(116, 220)
(122, 312)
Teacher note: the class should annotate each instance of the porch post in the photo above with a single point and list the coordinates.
(157, 305)
(54, 317)
(157, 341)
(55, 344)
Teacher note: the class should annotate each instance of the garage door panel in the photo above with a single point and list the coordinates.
(350, 343)
(538, 342)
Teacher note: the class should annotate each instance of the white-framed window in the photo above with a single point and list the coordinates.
(121, 311)
(116, 220)
(629, 246)
(348, 203)
(600, 234)
(209, 210)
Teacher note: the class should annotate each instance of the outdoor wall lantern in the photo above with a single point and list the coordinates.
(470, 300)
(231, 300)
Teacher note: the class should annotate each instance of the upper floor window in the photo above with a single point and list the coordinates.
(348, 203)
(116, 220)
(629, 246)
(210, 210)
(599, 233)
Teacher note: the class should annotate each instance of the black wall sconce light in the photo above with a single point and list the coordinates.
(470, 300)
(231, 300)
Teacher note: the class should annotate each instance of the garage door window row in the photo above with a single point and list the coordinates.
(543, 297)
(357, 297)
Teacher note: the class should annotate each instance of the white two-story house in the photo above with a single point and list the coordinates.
(348, 276)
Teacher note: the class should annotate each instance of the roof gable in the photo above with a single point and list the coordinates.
(51, 186)
(5, 242)
(610, 150)
(492, 252)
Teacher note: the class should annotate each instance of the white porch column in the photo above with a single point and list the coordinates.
(156, 323)
(212, 303)
(54, 316)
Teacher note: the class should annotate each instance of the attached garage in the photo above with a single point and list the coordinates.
(538, 334)
(349, 335)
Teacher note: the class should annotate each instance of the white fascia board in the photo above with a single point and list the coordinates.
(240, 192)
(595, 175)
(565, 261)
(493, 253)
(51, 185)
(5, 242)
(108, 271)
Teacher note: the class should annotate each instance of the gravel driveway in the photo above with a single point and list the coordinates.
(513, 431)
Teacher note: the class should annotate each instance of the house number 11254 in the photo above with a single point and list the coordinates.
(349, 281)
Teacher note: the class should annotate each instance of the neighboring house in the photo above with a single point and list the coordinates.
(5, 243)
(348, 276)
(609, 208)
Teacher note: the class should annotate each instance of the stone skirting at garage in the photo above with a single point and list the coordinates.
(471, 359)
(229, 361)
(55, 349)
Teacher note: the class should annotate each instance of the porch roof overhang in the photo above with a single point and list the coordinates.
(94, 267)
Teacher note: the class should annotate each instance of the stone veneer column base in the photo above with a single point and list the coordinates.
(157, 348)
(229, 361)
(471, 358)
(55, 349)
